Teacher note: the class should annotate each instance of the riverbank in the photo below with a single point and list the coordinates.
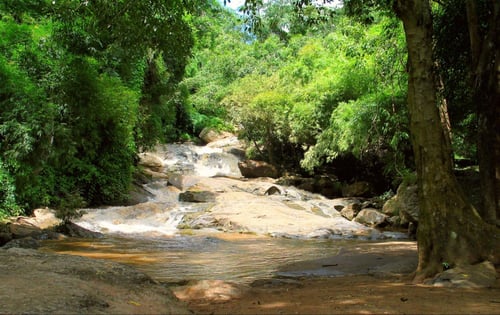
(372, 278)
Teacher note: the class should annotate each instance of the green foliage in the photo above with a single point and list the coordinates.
(326, 94)
(8, 204)
(77, 94)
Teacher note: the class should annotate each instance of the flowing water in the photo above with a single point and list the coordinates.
(146, 235)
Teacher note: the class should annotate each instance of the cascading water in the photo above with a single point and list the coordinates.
(146, 235)
(163, 212)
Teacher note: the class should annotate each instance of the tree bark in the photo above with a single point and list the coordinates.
(450, 230)
(485, 82)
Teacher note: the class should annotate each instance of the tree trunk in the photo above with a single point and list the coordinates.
(485, 81)
(450, 230)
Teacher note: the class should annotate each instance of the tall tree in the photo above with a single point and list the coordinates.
(485, 82)
(451, 231)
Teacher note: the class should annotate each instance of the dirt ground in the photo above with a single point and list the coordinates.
(371, 279)
(355, 295)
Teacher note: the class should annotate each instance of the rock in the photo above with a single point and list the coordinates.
(218, 164)
(34, 282)
(26, 242)
(341, 203)
(200, 222)
(307, 184)
(391, 207)
(237, 152)
(45, 218)
(482, 275)
(42, 219)
(404, 204)
(371, 217)
(324, 185)
(394, 220)
(358, 189)
(75, 230)
(273, 190)
(151, 161)
(255, 169)
(183, 181)
(5, 238)
(23, 228)
(351, 211)
(137, 194)
(197, 196)
(213, 290)
(208, 135)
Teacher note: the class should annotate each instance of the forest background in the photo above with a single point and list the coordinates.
(86, 85)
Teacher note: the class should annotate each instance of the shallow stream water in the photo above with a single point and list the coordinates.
(240, 258)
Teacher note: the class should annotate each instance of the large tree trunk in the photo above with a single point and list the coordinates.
(485, 80)
(450, 230)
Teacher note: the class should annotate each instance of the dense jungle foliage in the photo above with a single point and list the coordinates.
(86, 85)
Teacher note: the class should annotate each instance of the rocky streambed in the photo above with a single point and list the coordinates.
(194, 200)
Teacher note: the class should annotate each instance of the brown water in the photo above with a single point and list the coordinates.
(241, 258)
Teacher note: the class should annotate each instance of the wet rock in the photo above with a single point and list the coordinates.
(151, 161)
(137, 195)
(26, 242)
(255, 169)
(75, 230)
(197, 196)
(351, 211)
(199, 222)
(321, 234)
(371, 217)
(213, 290)
(182, 181)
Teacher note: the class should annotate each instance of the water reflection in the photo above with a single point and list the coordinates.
(235, 257)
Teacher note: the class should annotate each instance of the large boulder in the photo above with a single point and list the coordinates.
(404, 204)
(255, 169)
(151, 161)
(371, 217)
(208, 135)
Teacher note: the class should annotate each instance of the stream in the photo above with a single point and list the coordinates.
(230, 257)
(147, 235)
